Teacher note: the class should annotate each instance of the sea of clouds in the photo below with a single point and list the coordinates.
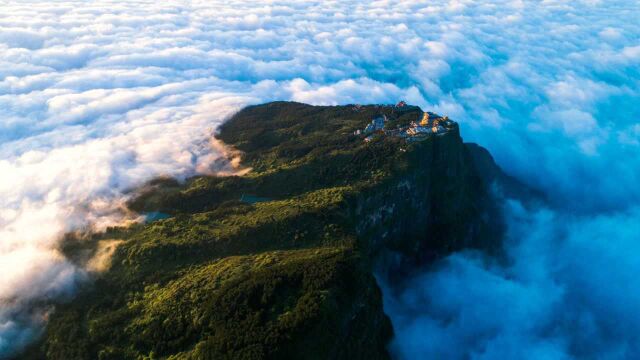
(97, 97)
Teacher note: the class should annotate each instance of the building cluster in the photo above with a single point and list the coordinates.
(430, 124)
(375, 126)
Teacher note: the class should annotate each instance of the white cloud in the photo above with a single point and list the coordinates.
(99, 96)
(568, 290)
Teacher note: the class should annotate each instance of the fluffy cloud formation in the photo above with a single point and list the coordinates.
(568, 290)
(98, 96)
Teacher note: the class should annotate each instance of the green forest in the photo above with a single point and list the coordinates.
(226, 278)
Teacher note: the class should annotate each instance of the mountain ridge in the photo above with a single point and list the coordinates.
(278, 263)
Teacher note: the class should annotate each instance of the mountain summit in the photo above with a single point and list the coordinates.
(279, 262)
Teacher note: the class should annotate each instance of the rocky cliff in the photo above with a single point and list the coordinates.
(278, 263)
(438, 204)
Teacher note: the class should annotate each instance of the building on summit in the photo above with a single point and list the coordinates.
(429, 124)
(377, 124)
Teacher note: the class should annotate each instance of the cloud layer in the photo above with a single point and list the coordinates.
(96, 97)
(569, 291)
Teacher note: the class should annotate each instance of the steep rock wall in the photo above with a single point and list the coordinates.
(439, 204)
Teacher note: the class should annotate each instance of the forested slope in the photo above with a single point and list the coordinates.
(277, 263)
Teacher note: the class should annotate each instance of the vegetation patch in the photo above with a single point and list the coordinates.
(265, 265)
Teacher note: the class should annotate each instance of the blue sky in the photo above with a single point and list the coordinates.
(97, 97)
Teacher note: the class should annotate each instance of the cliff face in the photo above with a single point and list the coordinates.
(438, 205)
(278, 263)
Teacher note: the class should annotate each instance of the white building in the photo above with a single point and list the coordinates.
(376, 124)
